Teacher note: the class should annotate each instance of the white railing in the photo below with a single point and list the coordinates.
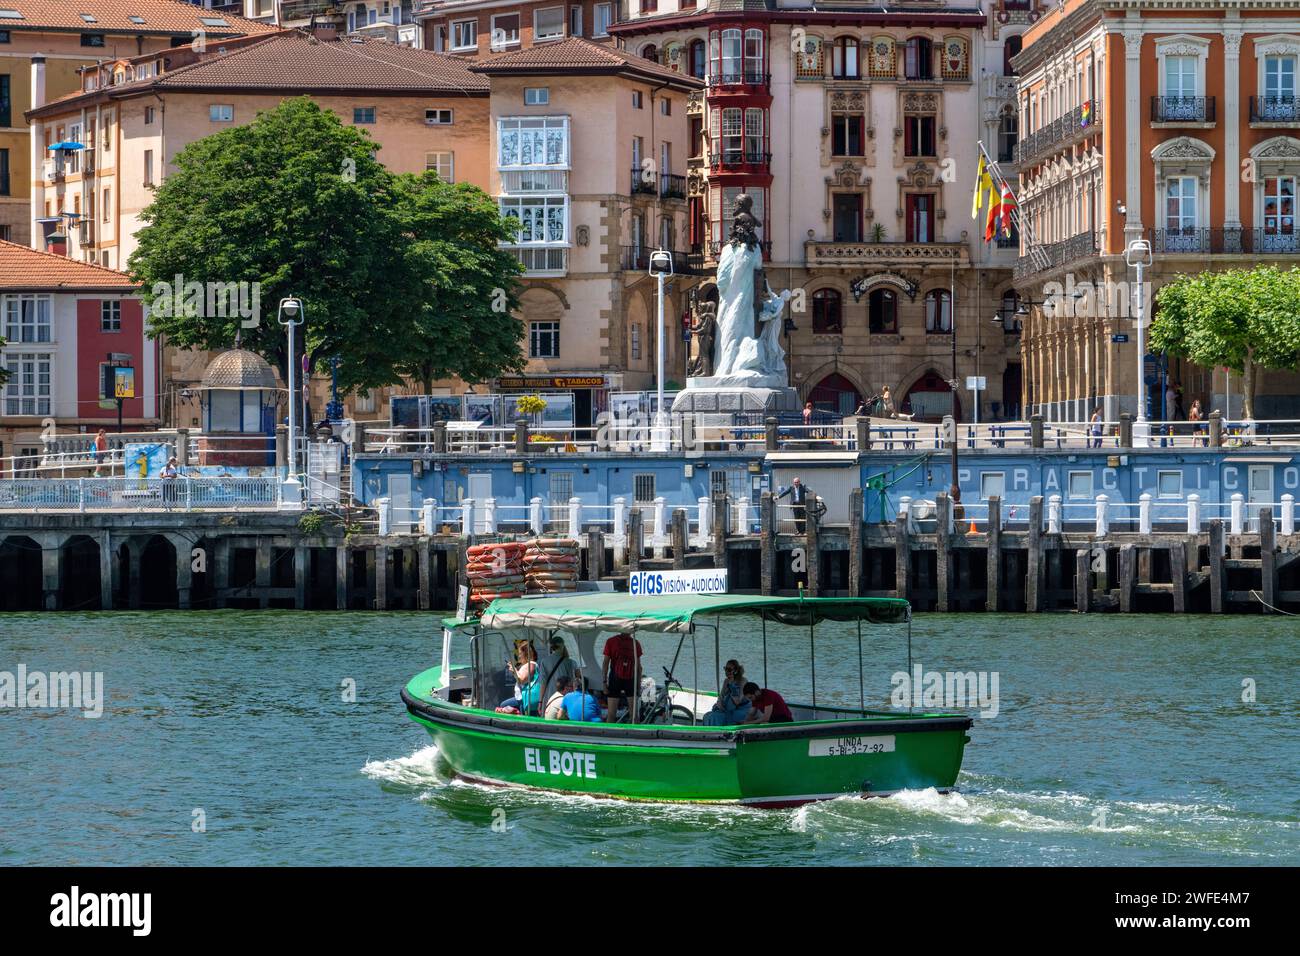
(139, 494)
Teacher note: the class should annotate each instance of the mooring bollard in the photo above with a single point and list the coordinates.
(536, 516)
(1237, 514)
(384, 507)
(1216, 429)
(430, 518)
(905, 510)
(620, 530)
(1288, 514)
(1144, 513)
(1103, 516)
(1054, 514)
(575, 517)
(490, 515)
(466, 517)
(1193, 513)
(702, 538)
(659, 536)
(1125, 430)
(521, 437)
(1035, 431)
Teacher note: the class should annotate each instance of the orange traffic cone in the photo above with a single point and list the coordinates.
(972, 527)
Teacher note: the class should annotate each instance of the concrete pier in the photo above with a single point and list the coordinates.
(117, 561)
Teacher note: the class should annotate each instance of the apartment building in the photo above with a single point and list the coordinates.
(1168, 121)
(69, 35)
(426, 111)
(855, 129)
(64, 323)
(134, 115)
(589, 148)
(391, 20)
(474, 28)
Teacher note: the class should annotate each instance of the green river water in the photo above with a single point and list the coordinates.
(227, 738)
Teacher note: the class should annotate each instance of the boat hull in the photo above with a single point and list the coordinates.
(769, 765)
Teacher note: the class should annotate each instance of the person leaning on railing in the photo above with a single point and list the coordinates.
(170, 472)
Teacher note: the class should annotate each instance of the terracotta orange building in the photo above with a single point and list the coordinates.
(1173, 122)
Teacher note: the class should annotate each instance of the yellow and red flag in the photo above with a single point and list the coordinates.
(995, 202)
(981, 177)
(1008, 203)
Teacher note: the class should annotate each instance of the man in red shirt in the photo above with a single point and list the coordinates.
(768, 707)
(622, 672)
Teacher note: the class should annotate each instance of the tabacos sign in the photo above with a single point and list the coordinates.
(652, 583)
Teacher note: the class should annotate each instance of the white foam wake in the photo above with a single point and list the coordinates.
(419, 769)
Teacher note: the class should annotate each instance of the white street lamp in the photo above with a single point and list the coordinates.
(661, 267)
(290, 314)
(1138, 256)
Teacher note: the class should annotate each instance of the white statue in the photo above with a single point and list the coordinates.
(743, 354)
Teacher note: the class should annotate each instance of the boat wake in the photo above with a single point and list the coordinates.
(417, 772)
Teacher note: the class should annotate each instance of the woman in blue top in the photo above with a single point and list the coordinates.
(732, 706)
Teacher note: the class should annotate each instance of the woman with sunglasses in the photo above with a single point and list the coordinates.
(732, 706)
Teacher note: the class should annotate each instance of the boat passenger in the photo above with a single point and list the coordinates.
(622, 671)
(582, 706)
(768, 706)
(555, 703)
(524, 669)
(732, 706)
(556, 664)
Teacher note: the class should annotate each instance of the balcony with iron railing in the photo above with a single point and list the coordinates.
(868, 253)
(1223, 240)
(1283, 110)
(647, 182)
(729, 160)
(1062, 131)
(637, 259)
(738, 78)
(1058, 255)
(1178, 110)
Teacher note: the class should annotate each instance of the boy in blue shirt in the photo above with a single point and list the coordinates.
(580, 705)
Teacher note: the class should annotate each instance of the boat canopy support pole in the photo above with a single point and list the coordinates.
(763, 615)
(862, 696)
(812, 656)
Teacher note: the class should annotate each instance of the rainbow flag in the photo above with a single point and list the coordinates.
(1086, 115)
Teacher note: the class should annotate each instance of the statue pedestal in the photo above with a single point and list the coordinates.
(713, 402)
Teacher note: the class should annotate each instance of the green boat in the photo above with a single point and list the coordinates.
(665, 752)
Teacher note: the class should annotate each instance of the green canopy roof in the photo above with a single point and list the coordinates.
(611, 613)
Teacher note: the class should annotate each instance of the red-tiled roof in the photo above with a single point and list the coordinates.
(576, 55)
(294, 60)
(114, 16)
(29, 270)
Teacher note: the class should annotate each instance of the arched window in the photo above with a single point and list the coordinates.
(918, 59)
(650, 52)
(1008, 135)
(938, 311)
(699, 59)
(882, 311)
(827, 310)
(844, 59)
(754, 56)
(1010, 48)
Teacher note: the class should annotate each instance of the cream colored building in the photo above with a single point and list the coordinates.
(856, 131)
(589, 150)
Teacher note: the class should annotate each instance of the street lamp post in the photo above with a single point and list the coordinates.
(290, 314)
(1138, 255)
(661, 267)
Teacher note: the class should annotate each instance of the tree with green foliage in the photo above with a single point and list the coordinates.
(399, 274)
(1242, 319)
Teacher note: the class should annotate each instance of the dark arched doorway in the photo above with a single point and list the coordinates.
(930, 398)
(158, 574)
(20, 574)
(80, 584)
(835, 394)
